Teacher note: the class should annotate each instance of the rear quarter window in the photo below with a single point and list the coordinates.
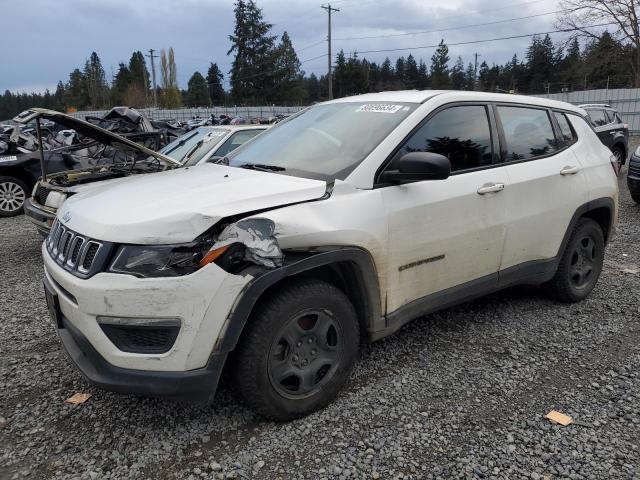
(568, 135)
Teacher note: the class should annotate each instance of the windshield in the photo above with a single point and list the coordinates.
(191, 147)
(326, 141)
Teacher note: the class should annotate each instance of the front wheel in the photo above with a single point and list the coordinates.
(581, 263)
(13, 193)
(297, 350)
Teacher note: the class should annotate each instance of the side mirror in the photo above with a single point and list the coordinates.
(416, 166)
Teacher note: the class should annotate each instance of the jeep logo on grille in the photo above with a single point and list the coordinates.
(66, 217)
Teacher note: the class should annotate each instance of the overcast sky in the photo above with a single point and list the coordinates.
(44, 40)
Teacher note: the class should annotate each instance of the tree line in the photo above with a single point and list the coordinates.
(266, 70)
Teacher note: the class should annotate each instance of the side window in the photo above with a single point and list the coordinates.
(528, 132)
(598, 117)
(565, 128)
(461, 134)
(235, 140)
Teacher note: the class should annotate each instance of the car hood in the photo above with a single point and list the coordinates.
(91, 131)
(178, 205)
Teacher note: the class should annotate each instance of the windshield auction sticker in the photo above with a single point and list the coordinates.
(379, 108)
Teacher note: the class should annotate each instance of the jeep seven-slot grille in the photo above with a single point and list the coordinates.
(76, 253)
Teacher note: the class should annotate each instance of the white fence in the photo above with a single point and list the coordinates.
(184, 114)
(625, 100)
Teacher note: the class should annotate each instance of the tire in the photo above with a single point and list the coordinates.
(635, 197)
(13, 193)
(580, 265)
(618, 152)
(297, 350)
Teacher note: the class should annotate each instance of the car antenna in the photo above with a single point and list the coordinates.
(42, 163)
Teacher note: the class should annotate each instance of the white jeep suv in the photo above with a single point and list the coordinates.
(337, 226)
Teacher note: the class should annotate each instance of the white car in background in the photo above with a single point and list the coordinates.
(197, 146)
(337, 226)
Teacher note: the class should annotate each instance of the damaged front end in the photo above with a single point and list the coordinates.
(250, 241)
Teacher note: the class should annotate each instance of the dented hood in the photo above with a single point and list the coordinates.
(178, 205)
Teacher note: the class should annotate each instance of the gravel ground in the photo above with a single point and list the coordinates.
(458, 394)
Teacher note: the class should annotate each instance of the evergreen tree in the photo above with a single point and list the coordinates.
(121, 84)
(138, 71)
(400, 76)
(458, 81)
(440, 67)
(312, 86)
(214, 84)
(604, 59)
(571, 66)
(197, 91)
(423, 75)
(483, 77)
(470, 77)
(95, 94)
(288, 78)
(254, 62)
(412, 75)
(386, 74)
(75, 90)
(60, 98)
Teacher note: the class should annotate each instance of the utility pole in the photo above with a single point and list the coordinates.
(329, 9)
(153, 75)
(475, 68)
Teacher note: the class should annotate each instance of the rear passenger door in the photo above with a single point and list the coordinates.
(546, 182)
(445, 233)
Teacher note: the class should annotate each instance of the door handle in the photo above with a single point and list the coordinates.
(490, 188)
(569, 170)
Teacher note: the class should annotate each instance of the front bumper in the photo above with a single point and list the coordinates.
(202, 301)
(197, 385)
(41, 218)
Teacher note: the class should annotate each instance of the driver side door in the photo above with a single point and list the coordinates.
(447, 235)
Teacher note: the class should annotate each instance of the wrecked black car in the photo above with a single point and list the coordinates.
(100, 155)
(130, 123)
(64, 147)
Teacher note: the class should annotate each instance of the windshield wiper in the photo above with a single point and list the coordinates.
(192, 151)
(262, 167)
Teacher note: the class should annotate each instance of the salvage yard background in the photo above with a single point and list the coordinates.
(460, 393)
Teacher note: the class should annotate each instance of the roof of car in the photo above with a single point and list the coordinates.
(421, 96)
(599, 105)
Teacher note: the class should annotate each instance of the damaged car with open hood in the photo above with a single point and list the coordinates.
(63, 147)
(335, 227)
(110, 157)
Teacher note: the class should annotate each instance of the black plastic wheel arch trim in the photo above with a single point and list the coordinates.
(296, 263)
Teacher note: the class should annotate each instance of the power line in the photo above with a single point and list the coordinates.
(485, 40)
(421, 32)
(312, 45)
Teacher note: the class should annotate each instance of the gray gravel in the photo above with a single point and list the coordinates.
(458, 394)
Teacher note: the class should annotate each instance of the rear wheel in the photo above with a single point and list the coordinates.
(13, 193)
(581, 263)
(297, 351)
(618, 152)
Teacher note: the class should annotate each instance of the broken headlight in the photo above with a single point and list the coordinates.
(247, 241)
(157, 261)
